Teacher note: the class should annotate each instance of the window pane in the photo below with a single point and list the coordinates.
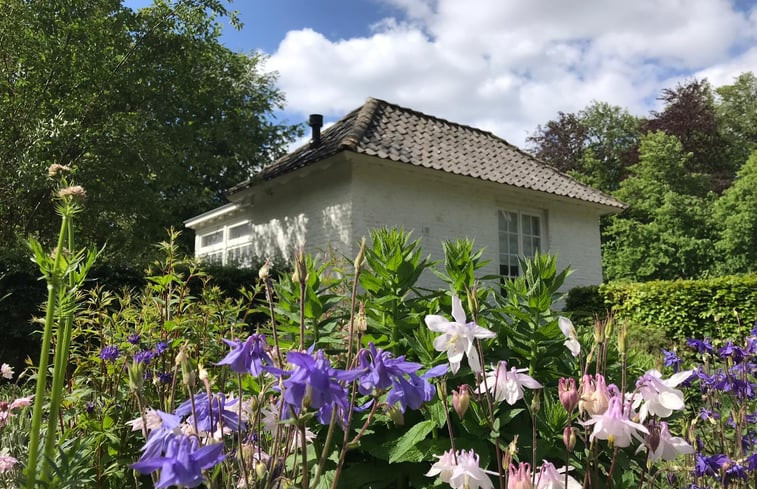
(212, 238)
(239, 231)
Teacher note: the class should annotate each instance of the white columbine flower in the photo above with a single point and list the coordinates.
(566, 326)
(460, 470)
(669, 447)
(659, 395)
(507, 385)
(6, 371)
(458, 337)
(444, 467)
(614, 425)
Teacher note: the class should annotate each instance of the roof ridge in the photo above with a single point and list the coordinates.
(443, 120)
(363, 118)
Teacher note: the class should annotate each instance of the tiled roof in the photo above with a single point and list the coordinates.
(389, 131)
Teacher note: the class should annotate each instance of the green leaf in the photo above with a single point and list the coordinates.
(408, 441)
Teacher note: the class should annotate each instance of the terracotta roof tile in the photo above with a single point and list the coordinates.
(389, 131)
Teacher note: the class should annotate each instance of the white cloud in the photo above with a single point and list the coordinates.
(508, 65)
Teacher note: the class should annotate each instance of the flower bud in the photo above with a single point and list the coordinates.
(473, 300)
(609, 324)
(512, 448)
(568, 393)
(536, 403)
(599, 331)
(360, 256)
(260, 470)
(569, 438)
(623, 338)
(265, 270)
(136, 376)
(187, 372)
(361, 321)
(461, 400)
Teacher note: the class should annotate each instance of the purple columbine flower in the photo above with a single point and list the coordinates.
(109, 353)
(208, 411)
(752, 462)
(248, 357)
(671, 359)
(133, 339)
(734, 352)
(183, 462)
(710, 465)
(313, 384)
(144, 356)
(702, 346)
(165, 377)
(161, 347)
(381, 372)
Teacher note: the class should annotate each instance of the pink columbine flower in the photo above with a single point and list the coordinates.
(507, 385)
(519, 477)
(614, 425)
(6, 463)
(458, 336)
(571, 343)
(660, 396)
(594, 395)
(668, 446)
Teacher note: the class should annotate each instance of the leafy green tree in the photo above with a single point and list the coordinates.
(595, 145)
(735, 214)
(689, 115)
(154, 116)
(736, 112)
(665, 233)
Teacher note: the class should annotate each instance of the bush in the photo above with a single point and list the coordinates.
(718, 308)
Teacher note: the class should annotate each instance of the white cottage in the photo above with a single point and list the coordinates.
(386, 165)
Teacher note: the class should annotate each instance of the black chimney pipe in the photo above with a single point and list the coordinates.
(315, 121)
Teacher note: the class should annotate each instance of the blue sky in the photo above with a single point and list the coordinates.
(501, 65)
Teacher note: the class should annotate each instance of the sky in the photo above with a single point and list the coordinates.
(505, 66)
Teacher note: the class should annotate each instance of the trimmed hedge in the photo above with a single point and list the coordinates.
(719, 308)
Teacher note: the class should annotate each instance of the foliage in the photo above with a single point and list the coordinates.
(154, 116)
(737, 115)
(672, 311)
(734, 214)
(690, 115)
(665, 233)
(584, 304)
(596, 145)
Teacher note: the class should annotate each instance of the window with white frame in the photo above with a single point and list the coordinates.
(520, 235)
(229, 245)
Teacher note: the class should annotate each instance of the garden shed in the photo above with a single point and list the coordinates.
(386, 165)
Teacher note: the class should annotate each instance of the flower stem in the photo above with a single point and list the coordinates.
(53, 284)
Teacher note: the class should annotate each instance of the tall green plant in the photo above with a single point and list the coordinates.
(64, 271)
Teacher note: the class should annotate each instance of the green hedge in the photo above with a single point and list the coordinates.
(719, 308)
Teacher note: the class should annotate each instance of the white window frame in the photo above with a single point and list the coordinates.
(226, 246)
(508, 259)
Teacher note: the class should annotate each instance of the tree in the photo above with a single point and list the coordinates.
(689, 115)
(664, 234)
(736, 114)
(735, 214)
(596, 145)
(155, 117)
